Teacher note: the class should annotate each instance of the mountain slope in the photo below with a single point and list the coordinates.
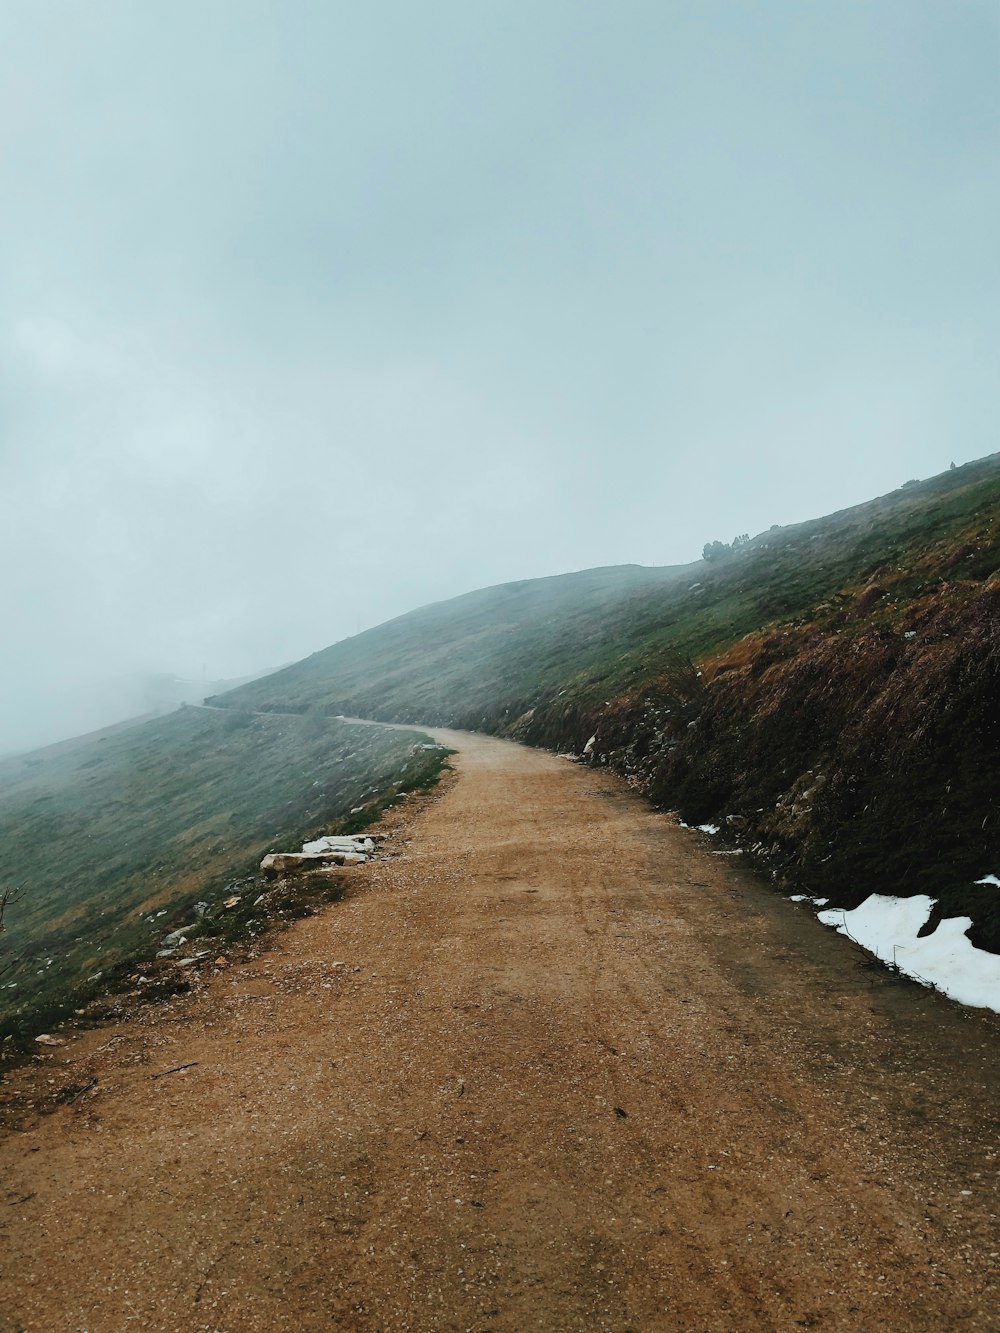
(471, 660)
(451, 662)
(829, 693)
(113, 837)
(843, 716)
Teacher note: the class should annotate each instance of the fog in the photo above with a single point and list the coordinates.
(311, 312)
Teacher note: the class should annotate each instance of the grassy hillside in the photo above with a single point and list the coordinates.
(103, 833)
(844, 718)
(829, 692)
(451, 662)
(477, 659)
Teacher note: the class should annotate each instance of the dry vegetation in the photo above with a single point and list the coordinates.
(827, 691)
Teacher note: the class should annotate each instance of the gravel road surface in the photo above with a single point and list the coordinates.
(554, 1065)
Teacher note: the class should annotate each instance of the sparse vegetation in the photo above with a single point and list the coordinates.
(830, 698)
(8, 896)
(720, 550)
(115, 837)
(844, 719)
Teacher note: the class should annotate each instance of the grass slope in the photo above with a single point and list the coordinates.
(449, 663)
(845, 718)
(478, 659)
(103, 832)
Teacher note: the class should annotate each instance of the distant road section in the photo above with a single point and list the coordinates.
(553, 1066)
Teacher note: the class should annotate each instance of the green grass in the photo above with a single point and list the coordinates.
(483, 659)
(802, 638)
(103, 833)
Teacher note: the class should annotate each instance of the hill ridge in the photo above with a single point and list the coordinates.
(882, 616)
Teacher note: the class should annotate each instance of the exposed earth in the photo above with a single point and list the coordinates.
(556, 1065)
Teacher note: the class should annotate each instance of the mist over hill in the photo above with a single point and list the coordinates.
(828, 691)
(826, 694)
(110, 839)
(89, 705)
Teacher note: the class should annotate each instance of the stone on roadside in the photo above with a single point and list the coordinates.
(176, 937)
(336, 843)
(290, 863)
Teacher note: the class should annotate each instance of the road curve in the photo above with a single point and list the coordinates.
(554, 1066)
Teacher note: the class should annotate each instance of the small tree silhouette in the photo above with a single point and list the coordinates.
(720, 550)
(715, 551)
(7, 896)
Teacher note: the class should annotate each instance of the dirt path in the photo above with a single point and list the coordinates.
(555, 1067)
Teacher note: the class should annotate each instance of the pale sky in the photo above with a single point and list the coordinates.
(312, 312)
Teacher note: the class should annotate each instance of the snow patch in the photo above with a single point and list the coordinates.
(333, 843)
(708, 828)
(989, 879)
(887, 927)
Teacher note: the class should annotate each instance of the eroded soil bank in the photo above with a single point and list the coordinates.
(557, 1066)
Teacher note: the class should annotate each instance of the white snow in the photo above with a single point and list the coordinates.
(947, 959)
(331, 843)
(989, 879)
(708, 828)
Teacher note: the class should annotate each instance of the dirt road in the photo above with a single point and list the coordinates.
(556, 1066)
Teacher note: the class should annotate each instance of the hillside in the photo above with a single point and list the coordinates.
(828, 694)
(451, 662)
(113, 837)
(840, 719)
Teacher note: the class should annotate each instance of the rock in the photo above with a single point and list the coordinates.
(45, 1040)
(332, 843)
(176, 936)
(290, 863)
(200, 909)
(165, 953)
(231, 902)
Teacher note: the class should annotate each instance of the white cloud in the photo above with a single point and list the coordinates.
(312, 313)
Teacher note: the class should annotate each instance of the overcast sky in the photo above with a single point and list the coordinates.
(312, 312)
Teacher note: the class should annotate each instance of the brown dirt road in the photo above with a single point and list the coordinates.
(556, 1066)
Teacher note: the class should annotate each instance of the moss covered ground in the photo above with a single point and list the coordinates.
(113, 838)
